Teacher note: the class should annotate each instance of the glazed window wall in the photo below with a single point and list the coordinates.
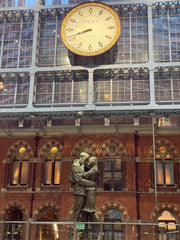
(16, 40)
(167, 84)
(16, 3)
(133, 42)
(62, 87)
(14, 90)
(121, 85)
(51, 49)
(109, 86)
(166, 32)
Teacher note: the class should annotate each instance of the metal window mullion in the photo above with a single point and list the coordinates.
(172, 86)
(32, 90)
(152, 86)
(72, 90)
(19, 43)
(55, 52)
(150, 34)
(111, 90)
(15, 90)
(169, 37)
(131, 87)
(53, 90)
(36, 39)
(90, 87)
(151, 57)
(2, 42)
(130, 34)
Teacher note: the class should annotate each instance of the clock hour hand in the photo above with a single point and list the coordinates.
(79, 31)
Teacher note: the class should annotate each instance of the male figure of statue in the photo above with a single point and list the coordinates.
(79, 184)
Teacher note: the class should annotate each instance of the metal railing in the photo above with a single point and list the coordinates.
(56, 230)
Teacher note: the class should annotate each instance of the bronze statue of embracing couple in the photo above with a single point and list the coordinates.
(83, 177)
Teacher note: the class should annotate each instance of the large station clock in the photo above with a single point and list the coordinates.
(90, 29)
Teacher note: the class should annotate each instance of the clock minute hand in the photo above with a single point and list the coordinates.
(79, 31)
(84, 30)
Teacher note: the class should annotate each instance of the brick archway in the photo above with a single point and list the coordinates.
(165, 206)
(114, 205)
(46, 205)
(164, 142)
(46, 148)
(112, 147)
(21, 207)
(84, 145)
(13, 150)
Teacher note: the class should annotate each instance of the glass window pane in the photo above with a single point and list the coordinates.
(15, 89)
(13, 231)
(160, 175)
(57, 165)
(112, 177)
(15, 173)
(80, 92)
(107, 165)
(44, 90)
(117, 164)
(8, 92)
(24, 172)
(48, 172)
(18, 37)
(63, 91)
(169, 178)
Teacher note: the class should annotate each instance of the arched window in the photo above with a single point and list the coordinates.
(52, 171)
(18, 164)
(111, 165)
(167, 229)
(112, 178)
(48, 231)
(51, 155)
(13, 230)
(112, 231)
(164, 167)
(20, 168)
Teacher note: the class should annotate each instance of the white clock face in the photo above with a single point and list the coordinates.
(90, 29)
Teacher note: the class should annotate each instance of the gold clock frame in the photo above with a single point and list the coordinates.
(103, 50)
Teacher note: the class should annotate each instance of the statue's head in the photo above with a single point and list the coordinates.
(83, 157)
(92, 161)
